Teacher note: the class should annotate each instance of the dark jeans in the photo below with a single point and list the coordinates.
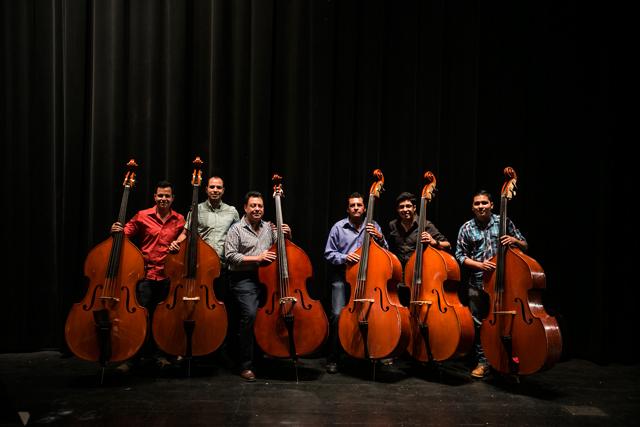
(150, 293)
(246, 290)
(478, 302)
(222, 288)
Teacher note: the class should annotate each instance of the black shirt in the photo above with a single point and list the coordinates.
(403, 242)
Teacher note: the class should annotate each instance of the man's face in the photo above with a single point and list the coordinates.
(254, 208)
(406, 210)
(163, 197)
(215, 189)
(355, 208)
(481, 207)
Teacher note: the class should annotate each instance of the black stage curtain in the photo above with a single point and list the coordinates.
(321, 92)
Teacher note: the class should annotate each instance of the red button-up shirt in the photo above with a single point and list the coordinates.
(154, 238)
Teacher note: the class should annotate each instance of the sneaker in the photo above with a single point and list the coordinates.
(387, 362)
(124, 368)
(332, 368)
(480, 371)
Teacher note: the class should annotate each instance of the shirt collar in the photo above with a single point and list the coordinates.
(488, 224)
(349, 224)
(248, 224)
(214, 208)
(155, 214)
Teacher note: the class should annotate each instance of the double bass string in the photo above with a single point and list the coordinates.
(416, 289)
(112, 267)
(283, 267)
(359, 294)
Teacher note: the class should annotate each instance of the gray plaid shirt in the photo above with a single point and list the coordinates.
(243, 240)
(213, 224)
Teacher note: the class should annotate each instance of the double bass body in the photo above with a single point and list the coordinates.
(191, 321)
(441, 327)
(374, 325)
(108, 325)
(518, 336)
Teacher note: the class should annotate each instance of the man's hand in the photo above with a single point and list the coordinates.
(353, 258)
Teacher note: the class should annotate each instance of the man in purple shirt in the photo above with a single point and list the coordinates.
(345, 238)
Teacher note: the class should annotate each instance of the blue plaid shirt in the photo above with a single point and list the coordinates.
(480, 243)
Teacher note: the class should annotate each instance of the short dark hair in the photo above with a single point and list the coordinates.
(354, 195)
(251, 194)
(215, 177)
(483, 193)
(406, 196)
(165, 184)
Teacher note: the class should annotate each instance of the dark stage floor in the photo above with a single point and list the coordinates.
(54, 390)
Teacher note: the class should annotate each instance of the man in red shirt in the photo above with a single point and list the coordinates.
(153, 230)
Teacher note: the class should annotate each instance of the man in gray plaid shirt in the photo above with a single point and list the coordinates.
(246, 247)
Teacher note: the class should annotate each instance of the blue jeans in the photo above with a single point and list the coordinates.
(339, 296)
(245, 289)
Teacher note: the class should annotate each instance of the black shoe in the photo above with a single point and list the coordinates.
(162, 362)
(332, 368)
(248, 375)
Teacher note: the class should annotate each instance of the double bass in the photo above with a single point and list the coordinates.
(441, 327)
(290, 323)
(518, 336)
(109, 325)
(374, 325)
(191, 321)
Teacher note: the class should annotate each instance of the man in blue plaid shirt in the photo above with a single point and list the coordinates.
(477, 244)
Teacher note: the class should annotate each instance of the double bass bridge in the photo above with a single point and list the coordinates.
(420, 303)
